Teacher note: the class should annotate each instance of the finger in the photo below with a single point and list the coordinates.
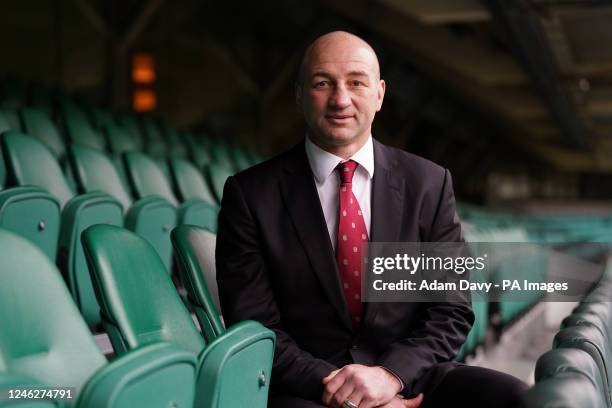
(414, 402)
(332, 386)
(345, 393)
(330, 376)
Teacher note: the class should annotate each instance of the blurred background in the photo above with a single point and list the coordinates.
(514, 97)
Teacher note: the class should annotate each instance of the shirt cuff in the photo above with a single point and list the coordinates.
(402, 386)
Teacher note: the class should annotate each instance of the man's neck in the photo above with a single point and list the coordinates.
(344, 151)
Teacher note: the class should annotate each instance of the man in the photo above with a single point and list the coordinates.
(290, 232)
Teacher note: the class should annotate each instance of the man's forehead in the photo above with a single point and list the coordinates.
(341, 67)
(343, 62)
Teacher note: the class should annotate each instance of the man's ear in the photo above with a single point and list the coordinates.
(381, 93)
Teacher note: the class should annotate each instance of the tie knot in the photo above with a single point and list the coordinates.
(347, 169)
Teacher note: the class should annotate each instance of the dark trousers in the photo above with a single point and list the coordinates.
(464, 386)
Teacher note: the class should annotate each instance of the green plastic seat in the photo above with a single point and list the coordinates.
(154, 139)
(101, 117)
(45, 343)
(196, 151)
(5, 122)
(39, 124)
(147, 179)
(217, 174)
(566, 378)
(240, 158)
(195, 252)
(189, 184)
(140, 306)
(589, 338)
(30, 212)
(176, 147)
(150, 217)
(130, 123)
(78, 127)
(30, 163)
(119, 139)
(9, 120)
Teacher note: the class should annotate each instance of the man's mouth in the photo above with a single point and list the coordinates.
(338, 118)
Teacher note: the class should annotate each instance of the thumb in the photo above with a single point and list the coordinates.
(414, 402)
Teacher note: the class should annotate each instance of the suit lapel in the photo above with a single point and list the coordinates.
(302, 202)
(388, 194)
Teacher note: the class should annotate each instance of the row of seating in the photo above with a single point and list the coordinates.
(79, 166)
(161, 358)
(565, 235)
(101, 128)
(578, 371)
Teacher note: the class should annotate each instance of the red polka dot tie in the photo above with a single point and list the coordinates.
(352, 233)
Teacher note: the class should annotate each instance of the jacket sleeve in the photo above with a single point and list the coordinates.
(246, 293)
(443, 328)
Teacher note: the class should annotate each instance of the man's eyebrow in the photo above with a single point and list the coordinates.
(358, 73)
(328, 75)
(321, 73)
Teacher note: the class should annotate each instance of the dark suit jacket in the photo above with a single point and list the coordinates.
(276, 265)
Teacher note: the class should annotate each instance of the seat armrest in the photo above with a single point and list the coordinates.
(235, 368)
(160, 374)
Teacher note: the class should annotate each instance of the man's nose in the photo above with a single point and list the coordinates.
(340, 98)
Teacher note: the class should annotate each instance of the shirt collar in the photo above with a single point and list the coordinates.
(323, 163)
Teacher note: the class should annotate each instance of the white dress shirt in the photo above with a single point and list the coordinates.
(327, 180)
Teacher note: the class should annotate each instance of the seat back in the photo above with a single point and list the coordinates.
(195, 251)
(29, 162)
(9, 120)
(589, 338)
(174, 141)
(130, 123)
(80, 130)
(154, 145)
(38, 124)
(139, 304)
(94, 171)
(189, 181)
(566, 378)
(146, 178)
(119, 139)
(102, 117)
(196, 150)
(216, 175)
(42, 335)
(5, 123)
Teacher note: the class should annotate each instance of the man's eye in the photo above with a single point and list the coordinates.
(321, 84)
(356, 83)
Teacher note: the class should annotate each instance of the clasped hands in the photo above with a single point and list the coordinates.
(366, 387)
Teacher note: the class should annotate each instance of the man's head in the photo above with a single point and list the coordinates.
(339, 90)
